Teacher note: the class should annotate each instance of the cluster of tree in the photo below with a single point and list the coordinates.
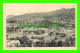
(38, 32)
(69, 42)
(26, 42)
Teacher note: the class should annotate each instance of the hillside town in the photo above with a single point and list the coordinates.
(62, 36)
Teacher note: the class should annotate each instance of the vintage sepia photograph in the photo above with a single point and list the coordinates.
(40, 26)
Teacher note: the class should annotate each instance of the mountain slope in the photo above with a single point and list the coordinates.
(35, 17)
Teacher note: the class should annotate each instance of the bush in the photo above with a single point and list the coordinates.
(53, 43)
(60, 44)
(24, 41)
(39, 32)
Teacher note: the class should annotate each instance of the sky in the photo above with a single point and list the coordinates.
(22, 8)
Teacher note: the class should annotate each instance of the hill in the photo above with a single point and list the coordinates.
(38, 17)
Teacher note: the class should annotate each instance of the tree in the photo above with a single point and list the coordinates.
(39, 32)
(53, 43)
(42, 43)
(72, 41)
(47, 44)
(67, 42)
(25, 41)
(60, 44)
(37, 44)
